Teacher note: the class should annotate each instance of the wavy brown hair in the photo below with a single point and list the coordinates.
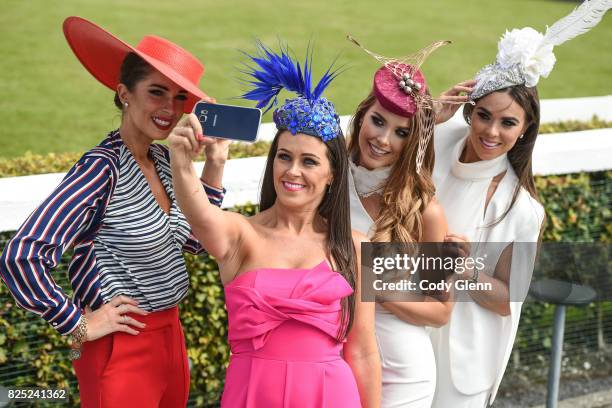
(520, 156)
(406, 194)
(334, 209)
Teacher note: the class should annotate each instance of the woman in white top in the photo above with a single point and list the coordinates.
(392, 200)
(484, 181)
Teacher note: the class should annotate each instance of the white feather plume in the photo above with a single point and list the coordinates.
(524, 55)
(579, 21)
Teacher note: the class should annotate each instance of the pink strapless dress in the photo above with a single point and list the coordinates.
(283, 325)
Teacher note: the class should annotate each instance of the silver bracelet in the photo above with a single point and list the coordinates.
(474, 278)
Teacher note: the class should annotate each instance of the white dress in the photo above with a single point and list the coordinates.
(472, 350)
(406, 353)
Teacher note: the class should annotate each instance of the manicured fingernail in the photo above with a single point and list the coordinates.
(200, 137)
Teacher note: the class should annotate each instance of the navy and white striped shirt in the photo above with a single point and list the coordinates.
(123, 241)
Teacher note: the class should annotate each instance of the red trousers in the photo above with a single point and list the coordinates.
(147, 370)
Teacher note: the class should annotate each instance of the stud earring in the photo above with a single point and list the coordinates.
(521, 136)
(126, 104)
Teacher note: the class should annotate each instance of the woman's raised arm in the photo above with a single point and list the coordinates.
(218, 231)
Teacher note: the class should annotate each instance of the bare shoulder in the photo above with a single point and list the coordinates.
(238, 218)
(435, 226)
(255, 227)
(243, 225)
(434, 213)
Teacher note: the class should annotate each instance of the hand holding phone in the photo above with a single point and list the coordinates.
(228, 121)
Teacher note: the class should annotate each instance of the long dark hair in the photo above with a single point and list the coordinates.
(520, 156)
(133, 70)
(335, 210)
(406, 194)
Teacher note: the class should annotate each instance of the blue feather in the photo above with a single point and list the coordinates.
(272, 72)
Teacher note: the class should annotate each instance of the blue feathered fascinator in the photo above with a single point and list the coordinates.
(309, 113)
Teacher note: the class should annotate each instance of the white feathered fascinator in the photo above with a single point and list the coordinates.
(524, 55)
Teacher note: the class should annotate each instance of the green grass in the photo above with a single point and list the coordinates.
(51, 104)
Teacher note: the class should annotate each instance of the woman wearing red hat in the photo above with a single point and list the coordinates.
(116, 208)
(392, 200)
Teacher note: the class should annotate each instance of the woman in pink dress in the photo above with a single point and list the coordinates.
(299, 334)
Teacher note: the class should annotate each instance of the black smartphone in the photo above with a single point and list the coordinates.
(228, 121)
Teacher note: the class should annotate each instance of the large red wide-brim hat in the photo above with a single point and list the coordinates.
(102, 54)
(390, 93)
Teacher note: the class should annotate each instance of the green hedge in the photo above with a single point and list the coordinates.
(577, 207)
(30, 164)
(61, 162)
(31, 353)
(574, 125)
(578, 210)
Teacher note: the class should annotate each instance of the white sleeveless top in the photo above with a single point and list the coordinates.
(406, 353)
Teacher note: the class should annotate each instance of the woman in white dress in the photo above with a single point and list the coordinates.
(484, 181)
(392, 200)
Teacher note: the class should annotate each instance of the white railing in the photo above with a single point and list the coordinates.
(570, 152)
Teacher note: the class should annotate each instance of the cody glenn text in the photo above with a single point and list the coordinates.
(425, 285)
